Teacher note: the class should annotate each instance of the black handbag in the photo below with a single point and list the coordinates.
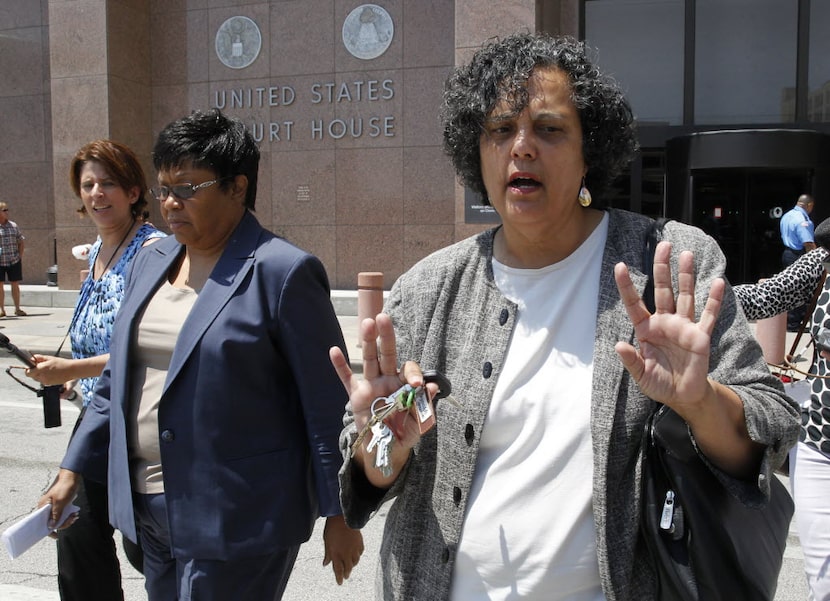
(705, 544)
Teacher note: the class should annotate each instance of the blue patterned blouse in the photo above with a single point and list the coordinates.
(98, 302)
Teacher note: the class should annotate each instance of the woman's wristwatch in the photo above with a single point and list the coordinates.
(72, 396)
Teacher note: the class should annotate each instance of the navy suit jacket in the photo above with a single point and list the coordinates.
(251, 409)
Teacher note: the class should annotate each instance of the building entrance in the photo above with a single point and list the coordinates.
(741, 209)
(736, 184)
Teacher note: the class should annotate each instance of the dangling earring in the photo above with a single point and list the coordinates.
(584, 195)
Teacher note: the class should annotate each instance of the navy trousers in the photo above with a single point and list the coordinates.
(248, 579)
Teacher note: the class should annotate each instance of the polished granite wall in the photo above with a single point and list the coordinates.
(25, 134)
(352, 167)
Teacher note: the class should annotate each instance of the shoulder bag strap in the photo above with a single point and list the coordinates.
(808, 316)
(654, 234)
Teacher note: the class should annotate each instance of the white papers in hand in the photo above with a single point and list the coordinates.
(20, 537)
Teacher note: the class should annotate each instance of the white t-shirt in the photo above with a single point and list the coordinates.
(529, 529)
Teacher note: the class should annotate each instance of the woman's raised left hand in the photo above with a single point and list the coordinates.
(672, 362)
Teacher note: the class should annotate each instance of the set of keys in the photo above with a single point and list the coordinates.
(401, 400)
(382, 438)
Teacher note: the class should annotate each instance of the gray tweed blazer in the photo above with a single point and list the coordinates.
(450, 316)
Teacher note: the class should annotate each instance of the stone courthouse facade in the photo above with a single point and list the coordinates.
(342, 96)
(732, 100)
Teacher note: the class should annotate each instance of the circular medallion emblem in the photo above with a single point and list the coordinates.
(368, 31)
(238, 42)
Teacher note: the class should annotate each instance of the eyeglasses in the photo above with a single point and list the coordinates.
(183, 191)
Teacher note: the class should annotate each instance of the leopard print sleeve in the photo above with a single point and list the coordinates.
(786, 290)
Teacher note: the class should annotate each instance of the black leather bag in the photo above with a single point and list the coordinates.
(704, 543)
(710, 546)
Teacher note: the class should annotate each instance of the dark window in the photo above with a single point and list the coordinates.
(818, 102)
(745, 62)
(640, 44)
(653, 182)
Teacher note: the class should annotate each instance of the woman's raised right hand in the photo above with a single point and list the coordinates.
(381, 377)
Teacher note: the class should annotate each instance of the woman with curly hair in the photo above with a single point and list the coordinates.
(529, 487)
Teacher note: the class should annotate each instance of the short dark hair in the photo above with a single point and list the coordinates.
(822, 234)
(210, 141)
(122, 166)
(805, 199)
(499, 71)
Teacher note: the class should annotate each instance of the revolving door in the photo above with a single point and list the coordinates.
(735, 185)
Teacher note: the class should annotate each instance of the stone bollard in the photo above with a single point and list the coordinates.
(369, 296)
(771, 334)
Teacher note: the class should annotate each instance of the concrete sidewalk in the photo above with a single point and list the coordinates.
(344, 301)
(50, 309)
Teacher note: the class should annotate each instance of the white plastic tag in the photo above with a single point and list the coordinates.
(799, 391)
(426, 417)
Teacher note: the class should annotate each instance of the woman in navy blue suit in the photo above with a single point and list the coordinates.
(216, 420)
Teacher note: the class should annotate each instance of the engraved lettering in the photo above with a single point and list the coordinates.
(344, 94)
(337, 129)
(257, 131)
(220, 104)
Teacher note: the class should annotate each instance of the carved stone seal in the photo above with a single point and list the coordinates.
(238, 42)
(368, 31)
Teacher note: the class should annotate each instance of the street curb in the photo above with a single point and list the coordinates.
(33, 295)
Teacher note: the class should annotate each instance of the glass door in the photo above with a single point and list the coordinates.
(741, 210)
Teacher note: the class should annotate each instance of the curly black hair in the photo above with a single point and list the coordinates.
(499, 71)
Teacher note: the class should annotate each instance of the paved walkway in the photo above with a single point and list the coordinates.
(12, 592)
(49, 312)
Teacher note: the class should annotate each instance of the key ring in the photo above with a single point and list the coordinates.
(377, 416)
(402, 400)
(385, 400)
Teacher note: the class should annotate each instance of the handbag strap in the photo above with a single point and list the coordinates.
(86, 293)
(808, 316)
(653, 235)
